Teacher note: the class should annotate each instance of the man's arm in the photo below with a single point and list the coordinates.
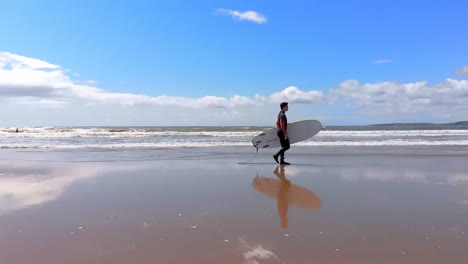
(283, 127)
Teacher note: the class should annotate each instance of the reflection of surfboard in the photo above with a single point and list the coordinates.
(297, 132)
(296, 195)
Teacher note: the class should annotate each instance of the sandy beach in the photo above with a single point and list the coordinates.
(186, 207)
(152, 132)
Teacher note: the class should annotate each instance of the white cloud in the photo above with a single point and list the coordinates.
(49, 96)
(463, 71)
(93, 82)
(247, 15)
(23, 62)
(293, 95)
(382, 61)
(43, 83)
(33, 85)
(44, 103)
(450, 96)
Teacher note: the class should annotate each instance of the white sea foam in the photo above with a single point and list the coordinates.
(256, 254)
(124, 145)
(394, 133)
(115, 133)
(226, 144)
(51, 132)
(114, 138)
(386, 143)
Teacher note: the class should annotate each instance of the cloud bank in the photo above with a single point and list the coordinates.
(45, 83)
(450, 96)
(37, 84)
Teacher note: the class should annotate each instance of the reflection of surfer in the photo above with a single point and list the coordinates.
(285, 193)
(283, 196)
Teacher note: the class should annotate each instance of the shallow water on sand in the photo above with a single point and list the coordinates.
(152, 207)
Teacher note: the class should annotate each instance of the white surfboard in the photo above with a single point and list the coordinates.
(297, 132)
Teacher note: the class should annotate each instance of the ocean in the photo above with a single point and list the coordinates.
(363, 137)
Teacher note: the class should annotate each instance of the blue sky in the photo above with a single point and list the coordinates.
(194, 49)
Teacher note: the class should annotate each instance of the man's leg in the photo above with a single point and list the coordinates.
(286, 146)
(280, 153)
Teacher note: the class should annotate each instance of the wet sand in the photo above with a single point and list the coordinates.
(156, 207)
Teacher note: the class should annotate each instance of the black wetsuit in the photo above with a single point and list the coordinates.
(282, 124)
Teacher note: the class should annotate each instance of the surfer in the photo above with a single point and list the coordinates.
(282, 124)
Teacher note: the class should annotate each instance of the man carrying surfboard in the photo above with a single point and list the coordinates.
(282, 124)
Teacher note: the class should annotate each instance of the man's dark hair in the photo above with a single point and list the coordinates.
(283, 104)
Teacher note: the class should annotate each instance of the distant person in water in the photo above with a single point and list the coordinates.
(282, 124)
(17, 130)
